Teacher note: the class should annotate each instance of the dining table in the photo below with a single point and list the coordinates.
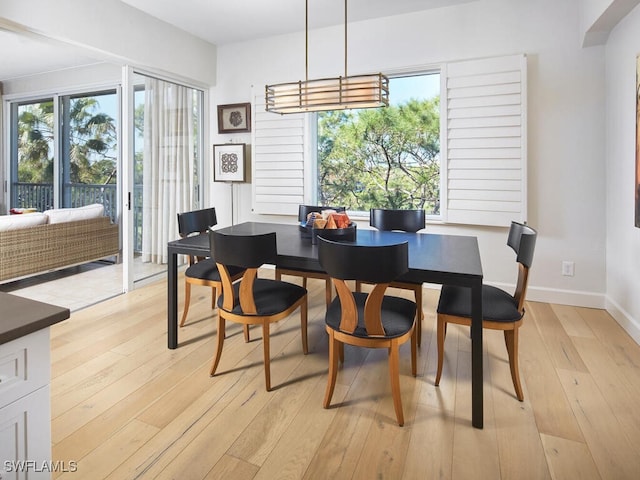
(433, 258)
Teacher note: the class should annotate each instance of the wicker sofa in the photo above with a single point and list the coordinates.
(40, 242)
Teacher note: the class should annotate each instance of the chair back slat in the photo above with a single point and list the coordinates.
(247, 302)
(401, 220)
(349, 311)
(521, 286)
(229, 301)
(373, 310)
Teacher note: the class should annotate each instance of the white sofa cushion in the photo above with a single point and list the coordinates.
(62, 215)
(15, 222)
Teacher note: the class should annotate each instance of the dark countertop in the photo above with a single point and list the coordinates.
(21, 316)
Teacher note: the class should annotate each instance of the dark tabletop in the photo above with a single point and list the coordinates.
(432, 257)
(21, 316)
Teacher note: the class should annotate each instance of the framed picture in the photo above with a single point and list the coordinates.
(228, 162)
(234, 118)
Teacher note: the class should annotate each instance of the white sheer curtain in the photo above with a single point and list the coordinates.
(168, 165)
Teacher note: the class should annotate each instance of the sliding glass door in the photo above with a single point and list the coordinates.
(166, 157)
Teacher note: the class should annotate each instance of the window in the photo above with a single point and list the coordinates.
(477, 175)
(387, 157)
(85, 169)
(32, 155)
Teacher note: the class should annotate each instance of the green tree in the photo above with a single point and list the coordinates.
(92, 142)
(384, 158)
(35, 142)
(92, 146)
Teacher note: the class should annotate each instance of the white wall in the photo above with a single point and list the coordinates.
(565, 132)
(623, 238)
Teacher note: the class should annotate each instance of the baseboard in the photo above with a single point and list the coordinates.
(626, 321)
(575, 298)
(550, 295)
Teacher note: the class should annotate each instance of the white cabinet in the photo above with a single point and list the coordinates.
(25, 407)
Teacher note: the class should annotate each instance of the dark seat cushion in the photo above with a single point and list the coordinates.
(207, 270)
(397, 315)
(497, 305)
(271, 296)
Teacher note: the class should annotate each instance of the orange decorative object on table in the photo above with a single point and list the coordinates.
(341, 220)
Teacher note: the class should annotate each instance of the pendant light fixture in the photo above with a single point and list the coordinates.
(357, 91)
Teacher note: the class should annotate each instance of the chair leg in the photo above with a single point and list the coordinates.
(414, 345)
(420, 313)
(441, 334)
(303, 325)
(245, 328)
(511, 340)
(214, 297)
(334, 347)
(358, 286)
(341, 352)
(265, 346)
(394, 373)
(328, 291)
(216, 360)
(278, 274)
(187, 300)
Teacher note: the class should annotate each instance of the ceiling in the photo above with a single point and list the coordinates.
(223, 21)
(217, 21)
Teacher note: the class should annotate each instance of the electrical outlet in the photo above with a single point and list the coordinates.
(568, 268)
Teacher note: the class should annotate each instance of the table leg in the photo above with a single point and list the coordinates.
(172, 299)
(477, 413)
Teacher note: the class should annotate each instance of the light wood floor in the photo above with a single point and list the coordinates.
(124, 406)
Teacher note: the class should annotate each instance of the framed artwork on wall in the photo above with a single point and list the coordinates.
(637, 184)
(234, 118)
(229, 162)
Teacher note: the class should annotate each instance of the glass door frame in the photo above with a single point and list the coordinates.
(127, 156)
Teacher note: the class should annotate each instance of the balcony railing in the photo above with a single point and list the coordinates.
(40, 196)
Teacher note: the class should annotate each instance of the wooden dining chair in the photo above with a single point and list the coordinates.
(253, 300)
(201, 270)
(303, 211)
(500, 310)
(403, 221)
(372, 320)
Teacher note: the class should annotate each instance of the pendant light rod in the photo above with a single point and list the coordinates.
(306, 40)
(345, 39)
(360, 91)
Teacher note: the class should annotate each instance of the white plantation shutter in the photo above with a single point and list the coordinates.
(278, 161)
(485, 141)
